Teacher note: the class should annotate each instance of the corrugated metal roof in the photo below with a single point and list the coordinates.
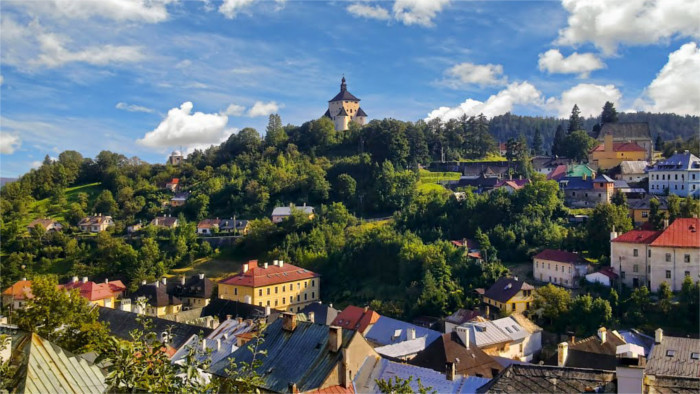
(50, 369)
(482, 333)
(511, 328)
(403, 349)
(672, 357)
(301, 356)
(520, 378)
(382, 369)
(385, 329)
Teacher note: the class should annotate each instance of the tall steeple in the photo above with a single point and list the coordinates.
(343, 86)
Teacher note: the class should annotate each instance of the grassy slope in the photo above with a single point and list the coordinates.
(39, 207)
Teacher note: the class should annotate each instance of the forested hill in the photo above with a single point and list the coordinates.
(669, 126)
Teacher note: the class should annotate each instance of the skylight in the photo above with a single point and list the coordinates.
(695, 356)
(670, 353)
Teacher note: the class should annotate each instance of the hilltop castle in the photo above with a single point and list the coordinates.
(345, 108)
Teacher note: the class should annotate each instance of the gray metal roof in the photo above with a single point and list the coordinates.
(50, 369)
(633, 167)
(287, 211)
(511, 328)
(378, 368)
(685, 161)
(519, 378)
(672, 357)
(482, 333)
(301, 356)
(387, 330)
(403, 349)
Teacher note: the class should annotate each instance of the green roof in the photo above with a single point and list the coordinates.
(579, 170)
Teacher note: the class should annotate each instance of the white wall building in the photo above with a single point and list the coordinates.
(559, 267)
(679, 174)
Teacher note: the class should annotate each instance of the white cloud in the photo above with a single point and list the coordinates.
(181, 127)
(675, 88)
(36, 164)
(477, 74)
(516, 93)
(147, 11)
(367, 11)
(608, 23)
(418, 12)
(234, 110)
(133, 108)
(231, 8)
(590, 99)
(9, 143)
(263, 109)
(2, 80)
(554, 62)
(32, 46)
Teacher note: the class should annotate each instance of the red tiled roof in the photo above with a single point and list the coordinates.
(355, 318)
(515, 184)
(20, 290)
(470, 243)
(174, 181)
(273, 274)
(621, 147)
(90, 290)
(561, 256)
(638, 237)
(682, 233)
(609, 272)
(557, 172)
(208, 223)
(116, 286)
(335, 390)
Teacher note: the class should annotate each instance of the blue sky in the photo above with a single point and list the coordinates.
(145, 77)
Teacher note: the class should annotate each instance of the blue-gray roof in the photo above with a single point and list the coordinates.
(385, 330)
(637, 338)
(678, 162)
(300, 356)
(575, 183)
(384, 370)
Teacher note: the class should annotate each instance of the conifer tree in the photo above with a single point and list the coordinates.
(575, 120)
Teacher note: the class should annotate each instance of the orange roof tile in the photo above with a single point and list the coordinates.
(335, 390)
(90, 290)
(356, 318)
(638, 237)
(259, 276)
(682, 233)
(621, 147)
(21, 290)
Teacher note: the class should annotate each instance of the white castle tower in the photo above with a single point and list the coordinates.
(345, 108)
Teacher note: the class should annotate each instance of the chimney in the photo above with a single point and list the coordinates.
(293, 388)
(157, 284)
(562, 354)
(304, 204)
(275, 262)
(312, 317)
(143, 282)
(201, 276)
(289, 321)
(265, 265)
(228, 317)
(183, 280)
(106, 280)
(164, 281)
(330, 305)
(347, 378)
(658, 336)
(239, 320)
(602, 334)
(335, 338)
(450, 371)
(204, 344)
(84, 279)
(245, 268)
(267, 310)
(411, 333)
(74, 279)
(281, 263)
(218, 345)
(366, 308)
(665, 224)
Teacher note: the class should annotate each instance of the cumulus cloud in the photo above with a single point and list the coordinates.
(554, 62)
(133, 108)
(607, 23)
(231, 8)
(676, 87)
(263, 109)
(146, 11)
(516, 93)
(590, 99)
(9, 143)
(368, 11)
(476, 74)
(234, 110)
(182, 127)
(418, 12)
(30, 45)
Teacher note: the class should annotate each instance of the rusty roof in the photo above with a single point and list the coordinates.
(274, 274)
(638, 237)
(356, 318)
(682, 233)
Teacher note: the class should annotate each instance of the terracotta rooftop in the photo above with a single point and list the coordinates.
(638, 237)
(356, 318)
(682, 233)
(90, 290)
(561, 256)
(621, 147)
(260, 276)
(20, 290)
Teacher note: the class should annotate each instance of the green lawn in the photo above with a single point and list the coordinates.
(430, 187)
(40, 208)
(489, 157)
(433, 177)
(213, 268)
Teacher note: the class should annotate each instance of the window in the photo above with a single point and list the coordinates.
(298, 298)
(686, 273)
(548, 266)
(283, 287)
(306, 284)
(686, 258)
(537, 264)
(260, 292)
(695, 356)
(648, 270)
(635, 268)
(291, 299)
(268, 302)
(313, 295)
(235, 291)
(676, 177)
(599, 195)
(268, 291)
(275, 302)
(668, 256)
(635, 252)
(622, 274)
(284, 300)
(305, 296)
(556, 267)
(275, 289)
(260, 303)
(298, 285)
(649, 253)
(313, 283)
(668, 274)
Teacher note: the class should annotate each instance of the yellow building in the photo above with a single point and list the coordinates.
(509, 295)
(280, 286)
(610, 154)
(345, 108)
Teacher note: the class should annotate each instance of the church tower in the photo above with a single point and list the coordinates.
(345, 108)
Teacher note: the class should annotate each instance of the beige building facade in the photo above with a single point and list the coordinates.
(345, 108)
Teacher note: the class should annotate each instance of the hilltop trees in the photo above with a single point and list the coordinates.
(559, 144)
(609, 114)
(575, 120)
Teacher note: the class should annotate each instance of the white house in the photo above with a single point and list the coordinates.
(559, 267)
(605, 276)
(281, 213)
(679, 174)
